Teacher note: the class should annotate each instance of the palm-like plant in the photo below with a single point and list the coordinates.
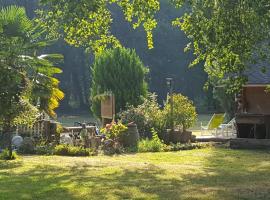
(26, 77)
(22, 40)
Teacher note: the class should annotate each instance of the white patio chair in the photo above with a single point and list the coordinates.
(228, 130)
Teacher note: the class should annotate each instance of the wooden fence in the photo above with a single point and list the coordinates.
(43, 127)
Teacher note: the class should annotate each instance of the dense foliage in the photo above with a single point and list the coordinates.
(114, 130)
(163, 60)
(30, 76)
(150, 115)
(225, 35)
(27, 79)
(66, 150)
(88, 23)
(184, 112)
(226, 101)
(146, 115)
(121, 72)
(151, 145)
(5, 155)
(228, 35)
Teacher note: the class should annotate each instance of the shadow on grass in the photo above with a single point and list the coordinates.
(225, 174)
(232, 174)
(7, 164)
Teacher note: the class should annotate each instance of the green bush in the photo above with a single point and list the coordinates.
(184, 112)
(66, 150)
(114, 130)
(146, 116)
(44, 150)
(187, 146)
(151, 145)
(27, 146)
(5, 155)
(121, 72)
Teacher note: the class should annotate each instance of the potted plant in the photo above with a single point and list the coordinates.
(184, 115)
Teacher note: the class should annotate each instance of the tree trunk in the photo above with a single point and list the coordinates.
(10, 145)
(7, 130)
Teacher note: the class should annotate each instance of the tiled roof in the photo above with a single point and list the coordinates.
(258, 75)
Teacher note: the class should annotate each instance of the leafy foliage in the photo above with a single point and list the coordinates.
(184, 113)
(88, 23)
(187, 146)
(121, 72)
(168, 42)
(22, 70)
(146, 115)
(43, 149)
(5, 155)
(66, 150)
(114, 130)
(226, 101)
(29, 76)
(228, 36)
(151, 145)
(27, 146)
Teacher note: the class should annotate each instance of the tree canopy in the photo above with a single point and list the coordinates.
(228, 35)
(88, 23)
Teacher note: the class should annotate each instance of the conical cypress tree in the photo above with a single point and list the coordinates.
(121, 72)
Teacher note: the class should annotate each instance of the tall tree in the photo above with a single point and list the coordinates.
(121, 72)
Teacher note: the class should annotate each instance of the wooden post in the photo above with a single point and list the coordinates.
(108, 109)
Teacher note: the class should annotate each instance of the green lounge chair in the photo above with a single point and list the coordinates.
(214, 123)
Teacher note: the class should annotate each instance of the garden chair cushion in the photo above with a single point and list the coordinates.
(215, 121)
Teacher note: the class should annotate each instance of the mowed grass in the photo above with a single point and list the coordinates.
(212, 173)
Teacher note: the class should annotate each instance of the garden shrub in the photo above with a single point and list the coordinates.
(114, 130)
(184, 112)
(4, 155)
(121, 72)
(187, 146)
(134, 115)
(27, 146)
(44, 149)
(66, 150)
(151, 145)
(146, 116)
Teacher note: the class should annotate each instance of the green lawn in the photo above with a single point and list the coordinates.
(213, 173)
